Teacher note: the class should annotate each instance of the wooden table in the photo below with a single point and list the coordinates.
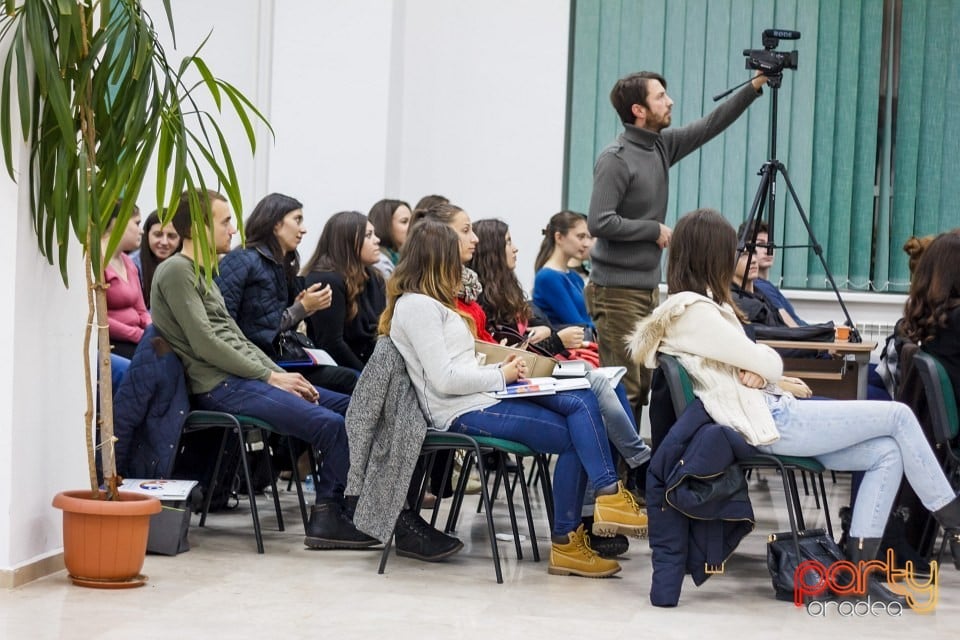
(858, 352)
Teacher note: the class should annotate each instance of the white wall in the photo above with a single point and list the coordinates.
(41, 385)
(375, 99)
(483, 111)
(369, 99)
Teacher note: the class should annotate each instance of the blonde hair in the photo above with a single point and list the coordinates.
(429, 265)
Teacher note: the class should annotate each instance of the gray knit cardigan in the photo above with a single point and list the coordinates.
(385, 428)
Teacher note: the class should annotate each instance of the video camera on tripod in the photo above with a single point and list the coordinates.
(772, 63)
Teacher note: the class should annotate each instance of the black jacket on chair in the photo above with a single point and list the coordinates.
(149, 409)
(697, 502)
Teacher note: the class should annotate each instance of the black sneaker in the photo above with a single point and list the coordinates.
(415, 538)
(610, 548)
(330, 528)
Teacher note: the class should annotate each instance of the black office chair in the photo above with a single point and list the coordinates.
(239, 427)
(942, 408)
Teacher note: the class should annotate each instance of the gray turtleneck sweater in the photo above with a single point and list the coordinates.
(629, 200)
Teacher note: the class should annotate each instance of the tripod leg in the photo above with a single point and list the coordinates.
(817, 249)
(754, 218)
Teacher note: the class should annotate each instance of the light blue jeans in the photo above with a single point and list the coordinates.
(618, 420)
(882, 439)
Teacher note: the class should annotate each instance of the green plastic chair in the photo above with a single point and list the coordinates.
(475, 447)
(681, 394)
(239, 426)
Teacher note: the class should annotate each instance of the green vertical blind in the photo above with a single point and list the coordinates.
(830, 129)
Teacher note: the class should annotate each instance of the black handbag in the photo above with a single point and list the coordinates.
(782, 560)
(289, 347)
(515, 339)
(823, 332)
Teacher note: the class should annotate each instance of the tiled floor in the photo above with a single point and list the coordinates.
(221, 588)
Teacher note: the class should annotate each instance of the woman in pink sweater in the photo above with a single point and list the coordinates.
(126, 311)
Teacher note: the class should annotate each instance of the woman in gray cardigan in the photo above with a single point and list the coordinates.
(454, 391)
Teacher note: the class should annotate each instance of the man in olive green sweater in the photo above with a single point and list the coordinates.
(227, 372)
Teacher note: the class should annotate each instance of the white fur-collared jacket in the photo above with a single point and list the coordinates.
(710, 343)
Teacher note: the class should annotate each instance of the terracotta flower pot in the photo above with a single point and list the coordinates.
(105, 542)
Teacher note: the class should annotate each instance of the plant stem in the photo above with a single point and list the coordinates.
(88, 383)
(97, 281)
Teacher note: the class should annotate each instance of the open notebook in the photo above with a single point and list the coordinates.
(540, 387)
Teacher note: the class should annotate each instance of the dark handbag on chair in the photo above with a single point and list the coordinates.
(782, 560)
(289, 348)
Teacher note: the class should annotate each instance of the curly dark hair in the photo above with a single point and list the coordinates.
(934, 289)
(502, 298)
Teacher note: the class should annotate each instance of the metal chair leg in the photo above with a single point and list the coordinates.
(249, 484)
(525, 494)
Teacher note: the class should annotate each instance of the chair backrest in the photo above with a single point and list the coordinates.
(678, 381)
(941, 401)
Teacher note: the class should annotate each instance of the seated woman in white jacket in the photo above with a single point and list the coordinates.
(437, 344)
(741, 385)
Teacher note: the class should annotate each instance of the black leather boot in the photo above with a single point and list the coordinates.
(866, 549)
(949, 519)
(415, 538)
(330, 528)
(350, 505)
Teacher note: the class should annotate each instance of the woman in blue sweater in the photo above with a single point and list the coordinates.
(557, 291)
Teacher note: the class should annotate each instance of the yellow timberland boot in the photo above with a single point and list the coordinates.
(577, 558)
(619, 513)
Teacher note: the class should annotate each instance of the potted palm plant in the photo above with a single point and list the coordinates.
(89, 88)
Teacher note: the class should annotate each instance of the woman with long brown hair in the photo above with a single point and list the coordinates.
(741, 386)
(437, 344)
(344, 260)
(932, 312)
(509, 313)
(470, 287)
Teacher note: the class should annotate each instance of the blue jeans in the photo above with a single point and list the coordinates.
(882, 439)
(567, 424)
(319, 425)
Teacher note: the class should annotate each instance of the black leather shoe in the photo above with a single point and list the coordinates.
(415, 538)
(610, 547)
(330, 528)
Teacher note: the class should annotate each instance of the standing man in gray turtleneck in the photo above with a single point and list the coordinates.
(628, 207)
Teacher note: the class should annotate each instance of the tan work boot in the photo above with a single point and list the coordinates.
(619, 513)
(577, 558)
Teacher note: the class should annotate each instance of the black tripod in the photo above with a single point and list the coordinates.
(767, 193)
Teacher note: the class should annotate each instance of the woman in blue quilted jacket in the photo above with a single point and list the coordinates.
(263, 292)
